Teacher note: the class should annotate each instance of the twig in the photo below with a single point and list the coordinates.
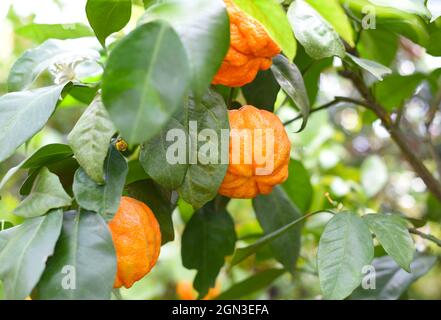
(426, 236)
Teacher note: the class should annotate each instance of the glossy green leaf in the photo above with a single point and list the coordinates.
(272, 16)
(374, 175)
(391, 281)
(39, 32)
(195, 173)
(203, 28)
(345, 247)
(208, 238)
(262, 92)
(290, 79)
(333, 12)
(108, 16)
(315, 34)
(83, 266)
(142, 91)
(90, 139)
(378, 45)
(409, 6)
(257, 282)
(395, 89)
(298, 185)
(374, 68)
(392, 233)
(23, 114)
(47, 194)
(103, 199)
(23, 257)
(45, 155)
(273, 212)
(35, 61)
(159, 201)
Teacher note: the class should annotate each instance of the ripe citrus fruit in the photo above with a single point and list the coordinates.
(137, 240)
(259, 153)
(185, 291)
(251, 49)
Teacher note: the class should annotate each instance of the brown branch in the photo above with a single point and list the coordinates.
(426, 236)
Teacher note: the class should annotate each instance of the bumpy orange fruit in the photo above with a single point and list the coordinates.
(185, 291)
(259, 162)
(251, 49)
(137, 240)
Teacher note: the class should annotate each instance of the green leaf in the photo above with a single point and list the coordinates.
(392, 233)
(378, 45)
(103, 199)
(47, 194)
(298, 185)
(409, 6)
(332, 11)
(83, 266)
(272, 16)
(46, 155)
(313, 32)
(203, 27)
(42, 32)
(345, 248)
(159, 201)
(142, 91)
(273, 212)
(23, 114)
(23, 258)
(391, 282)
(374, 68)
(433, 209)
(90, 139)
(262, 92)
(5, 225)
(208, 238)
(136, 172)
(35, 61)
(257, 282)
(434, 7)
(395, 89)
(374, 175)
(195, 174)
(108, 16)
(290, 79)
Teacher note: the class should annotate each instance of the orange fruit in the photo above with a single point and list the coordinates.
(259, 153)
(251, 49)
(185, 291)
(137, 240)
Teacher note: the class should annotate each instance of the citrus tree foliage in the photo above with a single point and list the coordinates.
(138, 76)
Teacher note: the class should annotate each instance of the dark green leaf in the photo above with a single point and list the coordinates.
(208, 238)
(47, 194)
(345, 247)
(3, 226)
(23, 114)
(298, 185)
(142, 91)
(290, 79)
(42, 32)
(90, 139)
(259, 281)
(433, 209)
(391, 282)
(108, 16)
(273, 212)
(136, 172)
(262, 92)
(392, 233)
(84, 263)
(203, 27)
(103, 199)
(23, 257)
(317, 36)
(159, 201)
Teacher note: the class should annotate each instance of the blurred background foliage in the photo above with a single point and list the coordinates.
(347, 157)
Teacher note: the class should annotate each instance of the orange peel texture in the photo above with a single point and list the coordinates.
(254, 172)
(137, 240)
(251, 49)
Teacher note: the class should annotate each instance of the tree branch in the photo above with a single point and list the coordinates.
(426, 236)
